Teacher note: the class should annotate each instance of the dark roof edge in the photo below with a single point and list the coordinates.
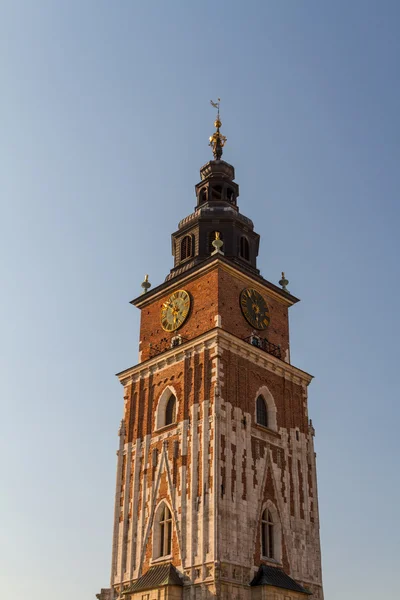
(156, 576)
(276, 577)
(166, 284)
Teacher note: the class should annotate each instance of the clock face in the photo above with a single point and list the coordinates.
(175, 310)
(254, 308)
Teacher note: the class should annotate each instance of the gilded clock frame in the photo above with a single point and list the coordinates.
(180, 297)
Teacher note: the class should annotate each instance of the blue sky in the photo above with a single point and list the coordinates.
(105, 119)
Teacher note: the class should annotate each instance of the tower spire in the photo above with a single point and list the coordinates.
(217, 140)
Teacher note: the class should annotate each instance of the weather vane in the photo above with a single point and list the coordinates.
(217, 140)
(216, 105)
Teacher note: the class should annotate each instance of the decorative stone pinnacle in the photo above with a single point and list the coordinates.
(283, 283)
(145, 284)
(217, 140)
(217, 243)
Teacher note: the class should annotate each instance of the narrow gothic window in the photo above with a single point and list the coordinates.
(186, 247)
(165, 525)
(267, 534)
(170, 411)
(244, 248)
(262, 414)
(211, 239)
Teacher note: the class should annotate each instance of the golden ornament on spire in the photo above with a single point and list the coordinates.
(217, 140)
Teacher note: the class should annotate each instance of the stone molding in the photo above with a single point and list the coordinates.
(207, 341)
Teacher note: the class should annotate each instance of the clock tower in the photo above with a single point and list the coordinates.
(216, 491)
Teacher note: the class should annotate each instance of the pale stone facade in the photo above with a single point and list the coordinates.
(215, 531)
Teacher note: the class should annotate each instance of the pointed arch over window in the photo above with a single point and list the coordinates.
(186, 247)
(265, 409)
(211, 238)
(244, 248)
(162, 531)
(262, 412)
(167, 408)
(170, 411)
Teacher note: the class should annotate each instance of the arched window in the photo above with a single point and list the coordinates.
(262, 412)
(186, 247)
(265, 409)
(162, 534)
(267, 534)
(244, 248)
(167, 408)
(211, 238)
(203, 196)
(170, 411)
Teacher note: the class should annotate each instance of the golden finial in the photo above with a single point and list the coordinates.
(217, 140)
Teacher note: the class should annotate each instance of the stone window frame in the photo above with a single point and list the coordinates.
(161, 408)
(170, 410)
(261, 411)
(165, 553)
(267, 534)
(270, 406)
(271, 509)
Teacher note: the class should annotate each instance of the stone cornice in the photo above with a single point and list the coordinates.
(169, 357)
(224, 341)
(209, 265)
(234, 344)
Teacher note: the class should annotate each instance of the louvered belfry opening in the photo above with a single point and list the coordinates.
(186, 247)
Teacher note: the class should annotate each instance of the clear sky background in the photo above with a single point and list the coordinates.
(105, 118)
